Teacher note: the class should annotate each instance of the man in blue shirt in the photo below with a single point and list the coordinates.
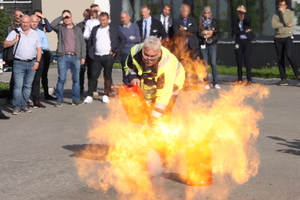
(27, 60)
(132, 34)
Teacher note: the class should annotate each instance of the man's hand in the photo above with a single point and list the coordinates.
(112, 53)
(82, 61)
(66, 15)
(40, 15)
(35, 66)
(182, 28)
(135, 81)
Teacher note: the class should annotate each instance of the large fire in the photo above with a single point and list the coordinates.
(217, 133)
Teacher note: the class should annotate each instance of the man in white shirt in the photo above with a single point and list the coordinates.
(94, 21)
(166, 19)
(105, 42)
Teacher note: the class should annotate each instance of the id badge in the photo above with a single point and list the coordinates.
(203, 46)
(236, 46)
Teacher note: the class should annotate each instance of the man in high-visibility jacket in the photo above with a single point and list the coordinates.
(158, 73)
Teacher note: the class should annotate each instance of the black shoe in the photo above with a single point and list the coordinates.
(2, 116)
(49, 97)
(38, 105)
(77, 102)
(283, 82)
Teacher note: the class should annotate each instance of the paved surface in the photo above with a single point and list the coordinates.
(36, 159)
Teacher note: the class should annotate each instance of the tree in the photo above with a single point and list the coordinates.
(4, 21)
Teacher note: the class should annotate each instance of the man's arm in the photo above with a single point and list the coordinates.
(55, 23)
(10, 41)
(38, 58)
(47, 25)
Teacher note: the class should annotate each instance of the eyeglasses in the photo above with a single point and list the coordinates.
(150, 57)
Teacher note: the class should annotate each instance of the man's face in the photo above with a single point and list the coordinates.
(86, 15)
(104, 21)
(38, 14)
(166, 11)
(282, 5)
(67, 18)
(95, 11)
(125, 19)
(185, 11)
(34, 22)
(18, 16)
(150, 56)
(145, 13)
(25, 23)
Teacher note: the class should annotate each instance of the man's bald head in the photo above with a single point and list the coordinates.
(34, 21)
(25, 22)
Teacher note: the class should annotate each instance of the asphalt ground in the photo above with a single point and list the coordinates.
(37, 149)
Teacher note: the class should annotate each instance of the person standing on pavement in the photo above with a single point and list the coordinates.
(8, 52)
(186, 26)
(208, 30)
(166, 19)
(71, 52)
(26, 62)
(241, 27)
(105, 43)
(132, 34)
(89, 25)
(35, 91)
(46, 57)
(148, 25)
(282, 22)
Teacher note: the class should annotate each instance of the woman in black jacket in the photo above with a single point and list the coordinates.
(208, 43)
(241, 27)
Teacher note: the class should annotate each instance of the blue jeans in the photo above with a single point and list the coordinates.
(210, 56)
(23, 77)
(64, 63)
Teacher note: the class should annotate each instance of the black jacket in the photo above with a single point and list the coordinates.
(192, 29)
(117, 40)
(246, 25)
(214, 37)
(156, 30)
(170, 23)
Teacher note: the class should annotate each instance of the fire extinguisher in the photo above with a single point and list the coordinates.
(133, 101)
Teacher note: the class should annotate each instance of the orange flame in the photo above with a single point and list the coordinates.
(125, 156)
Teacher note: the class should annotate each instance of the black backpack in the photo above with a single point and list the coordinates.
(9, 54)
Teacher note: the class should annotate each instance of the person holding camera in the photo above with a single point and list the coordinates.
(208, 30)
(241, 27)
(282, 22)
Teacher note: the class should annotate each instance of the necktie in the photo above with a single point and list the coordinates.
(145, 30)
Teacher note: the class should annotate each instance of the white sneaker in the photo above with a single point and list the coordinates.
(105, 99)
(217, 87)
(207, 87)
(88, 99)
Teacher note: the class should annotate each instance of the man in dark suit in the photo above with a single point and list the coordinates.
(166, 19)
(187, 26)
(105, 42)
(149, 25)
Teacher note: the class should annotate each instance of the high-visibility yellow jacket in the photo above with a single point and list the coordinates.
(159, 82)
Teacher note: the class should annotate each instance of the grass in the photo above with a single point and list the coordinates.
(266, 72)
(4, 86)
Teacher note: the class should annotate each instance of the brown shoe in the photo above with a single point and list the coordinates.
(38, 105)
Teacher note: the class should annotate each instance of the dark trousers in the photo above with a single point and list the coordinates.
(83, 68)
(284, 47)
(123, 60)
(98, 63)
(36, 83)
(46, 65)
(243, 51)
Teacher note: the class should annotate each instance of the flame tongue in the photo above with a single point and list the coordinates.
(137, 153)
